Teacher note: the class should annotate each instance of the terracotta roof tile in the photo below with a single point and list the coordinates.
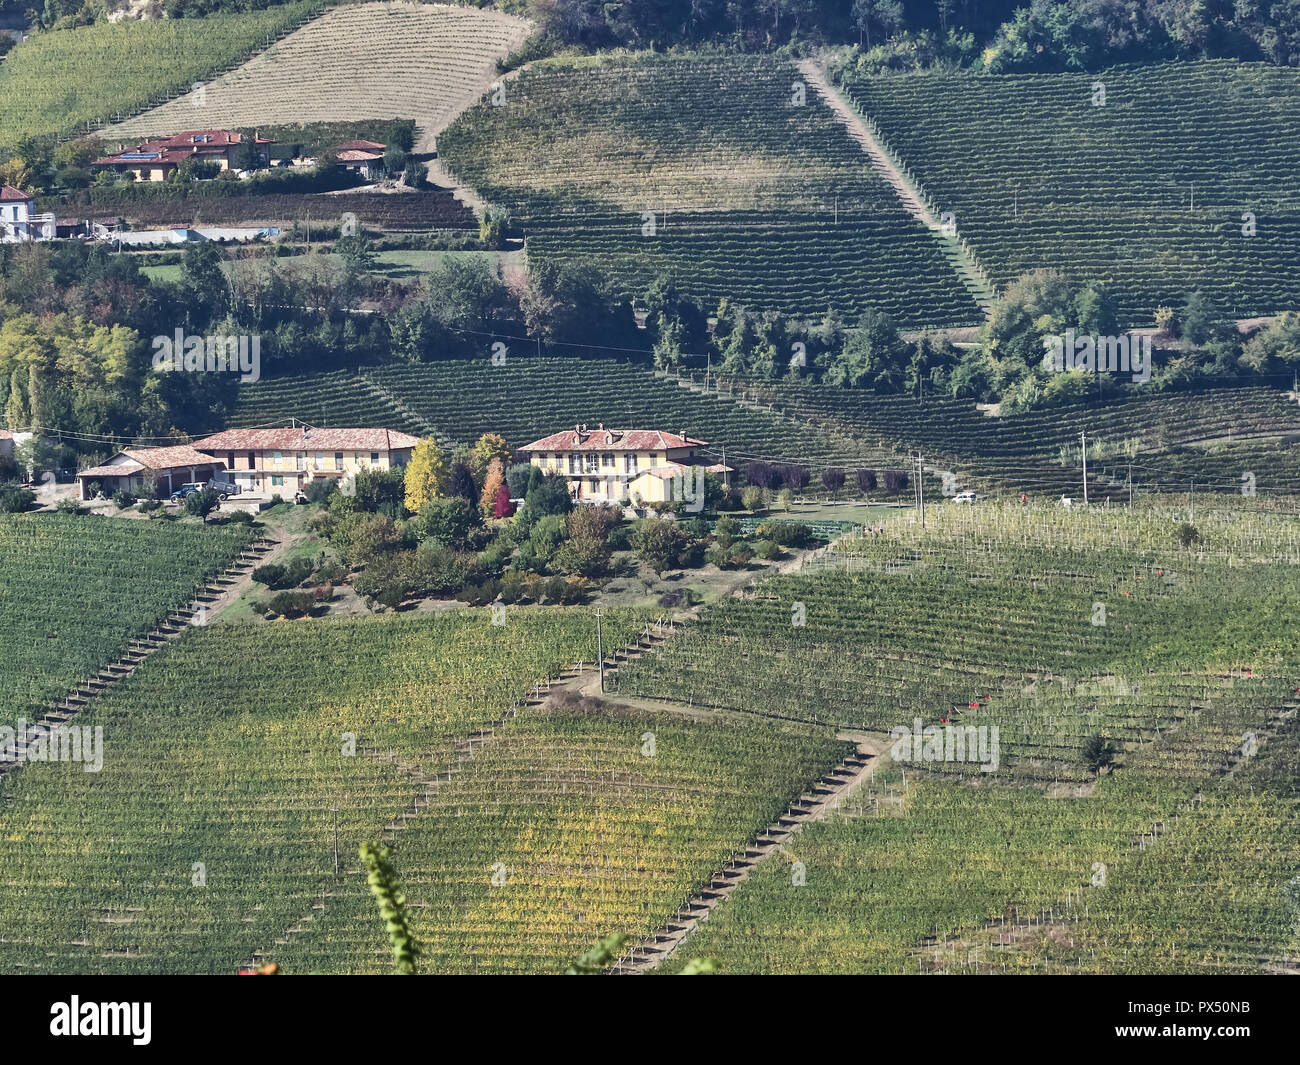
(600, 439)
(305, 439)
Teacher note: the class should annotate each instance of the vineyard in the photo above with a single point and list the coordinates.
(1147, 192)
(917, 872)
(226, 749)
(371, 60)
(757, 191)
(1051, 628)
(1211, 437)
(74, 80)
(75, 590)
(585, 835)
(531, 397)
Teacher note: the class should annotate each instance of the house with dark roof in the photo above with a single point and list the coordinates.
(612, 465)
(157, 160)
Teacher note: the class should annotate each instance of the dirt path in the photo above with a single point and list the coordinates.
(963, 262)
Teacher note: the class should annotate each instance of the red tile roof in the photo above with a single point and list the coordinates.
(153, 458)
(9, 194)
(361, 146)
(357, 156)
(177, 148)
(304, 439)
(582, 438)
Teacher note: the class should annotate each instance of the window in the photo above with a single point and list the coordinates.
(629, 463)
(320, 461)
(607, 460)
(302, 460)
(230, 460)
(593, 463)
(276, 481)
(653, 456)
(338, 460)
(276, 460)
(374, 458)
(595, 486)
(575, 463)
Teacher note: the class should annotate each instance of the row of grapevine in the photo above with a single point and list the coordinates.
(730, 175)
(1155, 180)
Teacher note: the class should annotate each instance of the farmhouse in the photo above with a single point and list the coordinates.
(18, 222)
(362, 157)
(157, 160)
(612, 465)
(142, 471)
(272, 462)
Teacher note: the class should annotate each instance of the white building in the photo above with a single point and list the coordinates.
(18, 222)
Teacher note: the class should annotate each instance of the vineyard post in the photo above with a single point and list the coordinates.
(1083, 444)
(600, 651)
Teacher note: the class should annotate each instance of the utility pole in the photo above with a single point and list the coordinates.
(920, 485)
(1130, 484)
(336, 839)
(1191, 498)
(600, 651)
(1083, 440)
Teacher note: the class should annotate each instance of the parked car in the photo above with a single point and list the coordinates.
(188, 489)
(964, 497)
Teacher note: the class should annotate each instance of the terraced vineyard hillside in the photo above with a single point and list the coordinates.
(728, 174)
(74, 80)
(367, 60)
(1211, 437)
(253, 725)
(1148, 192)
(989, 619)
(992, 617)
(74, 590)
(529, 398)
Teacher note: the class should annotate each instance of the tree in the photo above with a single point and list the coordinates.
(549, 496)
(426, 475)
(833, 480)
(502, 507)
(493, 482)
(659, 543)
(873, 356)
(202, 503)
(356, 252)
(866, 481)
(1098, 753)
(585, 553)
(460, 482)
(486, 448)
(1187, 534)
(448, 522)
(1197, 318)
(203, 284)
(754, 498)
(16, 413)
(794, 477)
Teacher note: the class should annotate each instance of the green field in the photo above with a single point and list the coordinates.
(226, 749)
(756, 197)
(67, 81)
(74, 590)
(1146, 192)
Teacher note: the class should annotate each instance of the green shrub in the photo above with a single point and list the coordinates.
(767, 550)
(785, 533)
